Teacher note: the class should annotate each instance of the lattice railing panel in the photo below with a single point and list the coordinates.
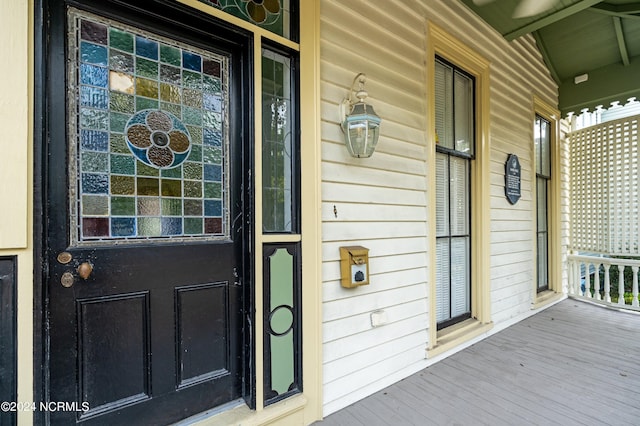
(605, 188)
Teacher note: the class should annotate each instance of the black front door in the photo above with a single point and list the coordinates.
(146, 216)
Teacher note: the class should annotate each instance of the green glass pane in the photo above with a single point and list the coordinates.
(212, 190)
(94, 162)
(144, 103)
(281, 285)
(211, 155)
(211, 85)
(281, 263)
(193, 225)
(192, 170)
(196, 134)
(122, 164)
(176, 172)
(117, 144)
(193, 207)
(146, 68)
(123, 206)
(171, 188)
(148, 186)
(196, 153)
(170, 55)
(145, 170)
(192, 80)
(212, 119)
(95, 205)
(281, 320)
(192, 116)
(122, 185)
(171, 207)
(172, 108)
(121, 102)
(118, 121)
(192, 189)
(282, 366)
(120, 40)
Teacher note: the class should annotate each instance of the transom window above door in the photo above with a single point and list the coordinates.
(272, 15)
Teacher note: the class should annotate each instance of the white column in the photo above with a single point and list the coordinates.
(596, 283)
(607, 283)
(634, 292)
(621, 285)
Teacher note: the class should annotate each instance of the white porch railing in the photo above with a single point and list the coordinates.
(585, 281)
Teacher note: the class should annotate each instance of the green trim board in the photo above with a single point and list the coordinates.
(613, 83)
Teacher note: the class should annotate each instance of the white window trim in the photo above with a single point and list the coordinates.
(448, 47)
(551, 114)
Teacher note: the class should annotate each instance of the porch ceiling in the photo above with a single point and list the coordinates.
(576, 37)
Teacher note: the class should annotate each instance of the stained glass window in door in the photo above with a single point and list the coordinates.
(148, 135)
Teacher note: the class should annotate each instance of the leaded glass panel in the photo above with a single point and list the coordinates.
(278, 174)
(282, 345)
(273, 15)
(148, 135)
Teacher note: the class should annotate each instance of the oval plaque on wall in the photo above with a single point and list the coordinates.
(512, 178)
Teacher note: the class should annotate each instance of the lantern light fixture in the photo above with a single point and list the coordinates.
(359, 122)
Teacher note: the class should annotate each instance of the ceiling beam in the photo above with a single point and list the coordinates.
(624, 54)
(605, 85)
(621, 10)
(550, 19)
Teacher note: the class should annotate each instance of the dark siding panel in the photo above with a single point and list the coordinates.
(8, 342)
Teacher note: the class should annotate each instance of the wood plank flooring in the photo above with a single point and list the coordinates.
(571, 364)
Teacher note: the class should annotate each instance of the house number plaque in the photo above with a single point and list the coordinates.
(512, 178)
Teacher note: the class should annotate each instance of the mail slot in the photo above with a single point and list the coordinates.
(354, 266)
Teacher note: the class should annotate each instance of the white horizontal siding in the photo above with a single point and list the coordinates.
(382, 202)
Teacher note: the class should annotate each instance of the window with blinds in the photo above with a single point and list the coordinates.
(455, 126)
(454, 109)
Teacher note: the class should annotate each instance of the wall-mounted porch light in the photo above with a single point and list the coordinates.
(360, 123)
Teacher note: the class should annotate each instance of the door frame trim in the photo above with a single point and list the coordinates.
(245, 126)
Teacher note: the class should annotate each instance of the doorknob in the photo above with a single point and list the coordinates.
(84, 270)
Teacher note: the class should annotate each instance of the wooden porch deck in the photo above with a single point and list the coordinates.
(571, 364)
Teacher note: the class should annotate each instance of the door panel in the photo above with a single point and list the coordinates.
(203, 332)
(145, 171)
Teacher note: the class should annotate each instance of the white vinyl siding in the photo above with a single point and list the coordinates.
(381, 202)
